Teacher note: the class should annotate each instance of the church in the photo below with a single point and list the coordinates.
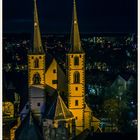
(46, 115)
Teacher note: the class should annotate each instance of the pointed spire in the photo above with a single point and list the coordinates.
(75, 35)
(37, 36)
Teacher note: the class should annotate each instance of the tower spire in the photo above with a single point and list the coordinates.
(75, 35)
(37, 48)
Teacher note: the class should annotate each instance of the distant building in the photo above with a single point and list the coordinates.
(119, 85)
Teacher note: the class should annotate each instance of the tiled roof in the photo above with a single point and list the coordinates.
(28, 129)
(59, 110)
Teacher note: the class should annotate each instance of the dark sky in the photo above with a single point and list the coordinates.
(55, 15)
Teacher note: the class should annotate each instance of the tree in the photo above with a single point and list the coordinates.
(118, 109)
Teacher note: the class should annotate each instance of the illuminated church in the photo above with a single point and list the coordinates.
(46, 82)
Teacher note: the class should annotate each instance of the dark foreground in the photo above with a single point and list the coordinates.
(107, 136)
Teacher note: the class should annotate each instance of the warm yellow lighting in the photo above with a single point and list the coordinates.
(8, 110)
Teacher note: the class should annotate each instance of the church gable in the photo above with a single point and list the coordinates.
(55, 77)
(51, 75)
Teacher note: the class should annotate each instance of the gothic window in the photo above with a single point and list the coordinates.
(36, 78)
(76, 60)
(76, 77)
(36, 63)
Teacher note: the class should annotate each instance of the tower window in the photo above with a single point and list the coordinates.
(80, 56)
(38, 104)
(36, 78)
(76, 88)
(32, 57)
(76, 102)
(36, 63)
(72, 56)
(76, 77)
(54, 71)
(40, 57)
(76, 60)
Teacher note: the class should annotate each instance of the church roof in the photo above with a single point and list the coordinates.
(87, 109)
(59, 111)
(49, 59)
(29, 129)
(94, 119)
(39, 87)
(75, 35)
(50, 90)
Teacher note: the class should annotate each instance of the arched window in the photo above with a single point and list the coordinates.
(76, 60)
(76, 77)
(36, 78)
(36, 63)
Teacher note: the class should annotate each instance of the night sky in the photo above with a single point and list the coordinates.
(55, 15)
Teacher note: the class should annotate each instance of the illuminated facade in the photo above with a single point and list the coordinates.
(60, 122)
(36, 70)
(76, 79)
(43, 72)
(8, 110)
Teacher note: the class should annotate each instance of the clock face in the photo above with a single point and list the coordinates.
(8, 110)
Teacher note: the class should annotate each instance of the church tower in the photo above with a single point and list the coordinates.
(76, 75)
(36, 68)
